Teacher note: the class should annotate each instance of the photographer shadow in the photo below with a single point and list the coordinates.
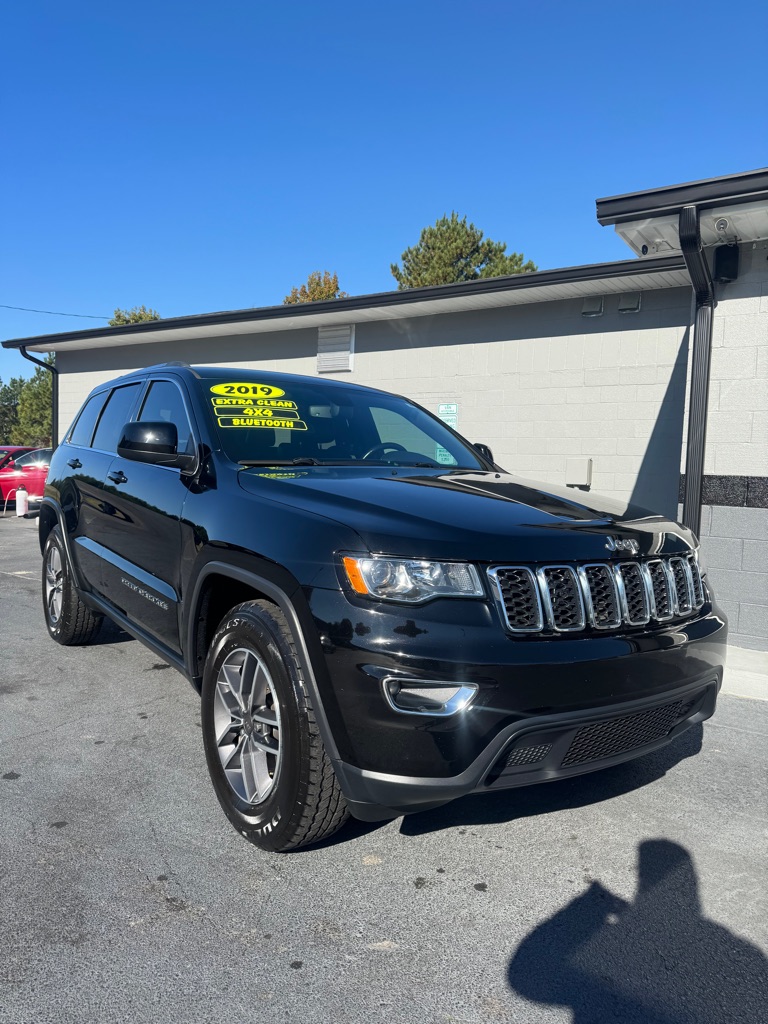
(656, 960)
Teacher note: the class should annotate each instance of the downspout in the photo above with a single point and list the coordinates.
(54, 395)
(703, 289)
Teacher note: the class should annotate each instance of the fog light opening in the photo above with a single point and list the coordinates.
(415, 697)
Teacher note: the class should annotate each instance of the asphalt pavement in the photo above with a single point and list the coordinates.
(635, 894)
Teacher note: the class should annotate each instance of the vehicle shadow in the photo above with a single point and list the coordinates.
(111, 634)
(564, 794)
(656, 960)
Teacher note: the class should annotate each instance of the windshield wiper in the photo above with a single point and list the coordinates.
(304, 460)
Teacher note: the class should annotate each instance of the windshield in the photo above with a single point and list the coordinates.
(314, 423)
(39, 457)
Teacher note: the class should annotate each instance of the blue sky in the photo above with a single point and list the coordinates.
(198, 157)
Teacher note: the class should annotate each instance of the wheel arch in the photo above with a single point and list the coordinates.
(50, 516)
(219, 587)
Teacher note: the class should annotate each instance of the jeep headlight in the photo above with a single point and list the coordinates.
(411, 580)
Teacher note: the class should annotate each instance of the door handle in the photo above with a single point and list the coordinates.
(119, 477)
(74, 463)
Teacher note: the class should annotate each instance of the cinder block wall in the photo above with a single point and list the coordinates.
(540, 383)
(734, 544)
(734, 529)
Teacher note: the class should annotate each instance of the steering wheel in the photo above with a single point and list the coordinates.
(380, 449)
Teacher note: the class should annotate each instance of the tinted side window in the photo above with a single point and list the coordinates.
(164, 402)
(116, 414)
(86, 421)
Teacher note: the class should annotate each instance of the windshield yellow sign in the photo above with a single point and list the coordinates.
(245, 390)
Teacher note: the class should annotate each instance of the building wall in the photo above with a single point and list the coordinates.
(539, 383)
(737, 415)
(734, 546)
(734, 528)
(542, 383)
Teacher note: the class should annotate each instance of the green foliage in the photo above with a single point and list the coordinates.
(452, 251)
(137, 315)
(33, 425)
(10, 394)
(319, 286)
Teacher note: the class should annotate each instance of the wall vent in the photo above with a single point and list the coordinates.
(335, 348)
(629, 302)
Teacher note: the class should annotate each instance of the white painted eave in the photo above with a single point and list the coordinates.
(469, 302)
(745, 223)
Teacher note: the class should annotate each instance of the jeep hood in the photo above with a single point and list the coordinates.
(480, 516)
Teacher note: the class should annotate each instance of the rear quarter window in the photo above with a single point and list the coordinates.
(82, 431)
(114, 416)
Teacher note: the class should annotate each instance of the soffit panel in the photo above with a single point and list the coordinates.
(431, 307)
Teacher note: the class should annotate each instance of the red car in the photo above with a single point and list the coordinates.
(23, 466)
(8, 452)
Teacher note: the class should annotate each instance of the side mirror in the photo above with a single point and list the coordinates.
(484, 450)
(156, 443)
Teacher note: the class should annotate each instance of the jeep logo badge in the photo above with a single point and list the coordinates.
(620, 544)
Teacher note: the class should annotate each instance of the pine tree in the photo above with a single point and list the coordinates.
(453, 251)
(10, 394)
(33, 425)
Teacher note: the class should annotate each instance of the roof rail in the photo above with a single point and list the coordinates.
(170, 362)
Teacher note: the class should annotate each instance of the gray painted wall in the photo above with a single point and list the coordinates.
(539, 383)
(734, 547)
(737, 420)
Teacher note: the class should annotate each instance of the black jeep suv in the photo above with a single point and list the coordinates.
(379, 618)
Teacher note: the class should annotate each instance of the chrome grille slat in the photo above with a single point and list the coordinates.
(632, 593)
(698, 586)
(682, 584)
(561, 596)
(598, 595)
(660, 589)
(518, 596)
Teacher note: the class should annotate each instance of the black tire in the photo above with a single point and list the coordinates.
(68, 620)
(281, 793)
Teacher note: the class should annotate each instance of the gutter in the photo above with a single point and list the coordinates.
(54, 394)
(730, 190)
(703, 289)
(377, 300)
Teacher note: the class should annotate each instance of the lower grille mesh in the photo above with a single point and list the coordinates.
(606, 739)
(527, 755)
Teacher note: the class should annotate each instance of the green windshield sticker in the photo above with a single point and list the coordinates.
(281, 476)
(248, 390)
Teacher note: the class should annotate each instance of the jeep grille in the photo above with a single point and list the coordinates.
(600, 595)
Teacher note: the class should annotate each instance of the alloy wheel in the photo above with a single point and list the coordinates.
(246, 716)
(54, 582)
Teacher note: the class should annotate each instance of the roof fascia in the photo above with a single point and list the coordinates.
(747, 187)
(540, 278)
